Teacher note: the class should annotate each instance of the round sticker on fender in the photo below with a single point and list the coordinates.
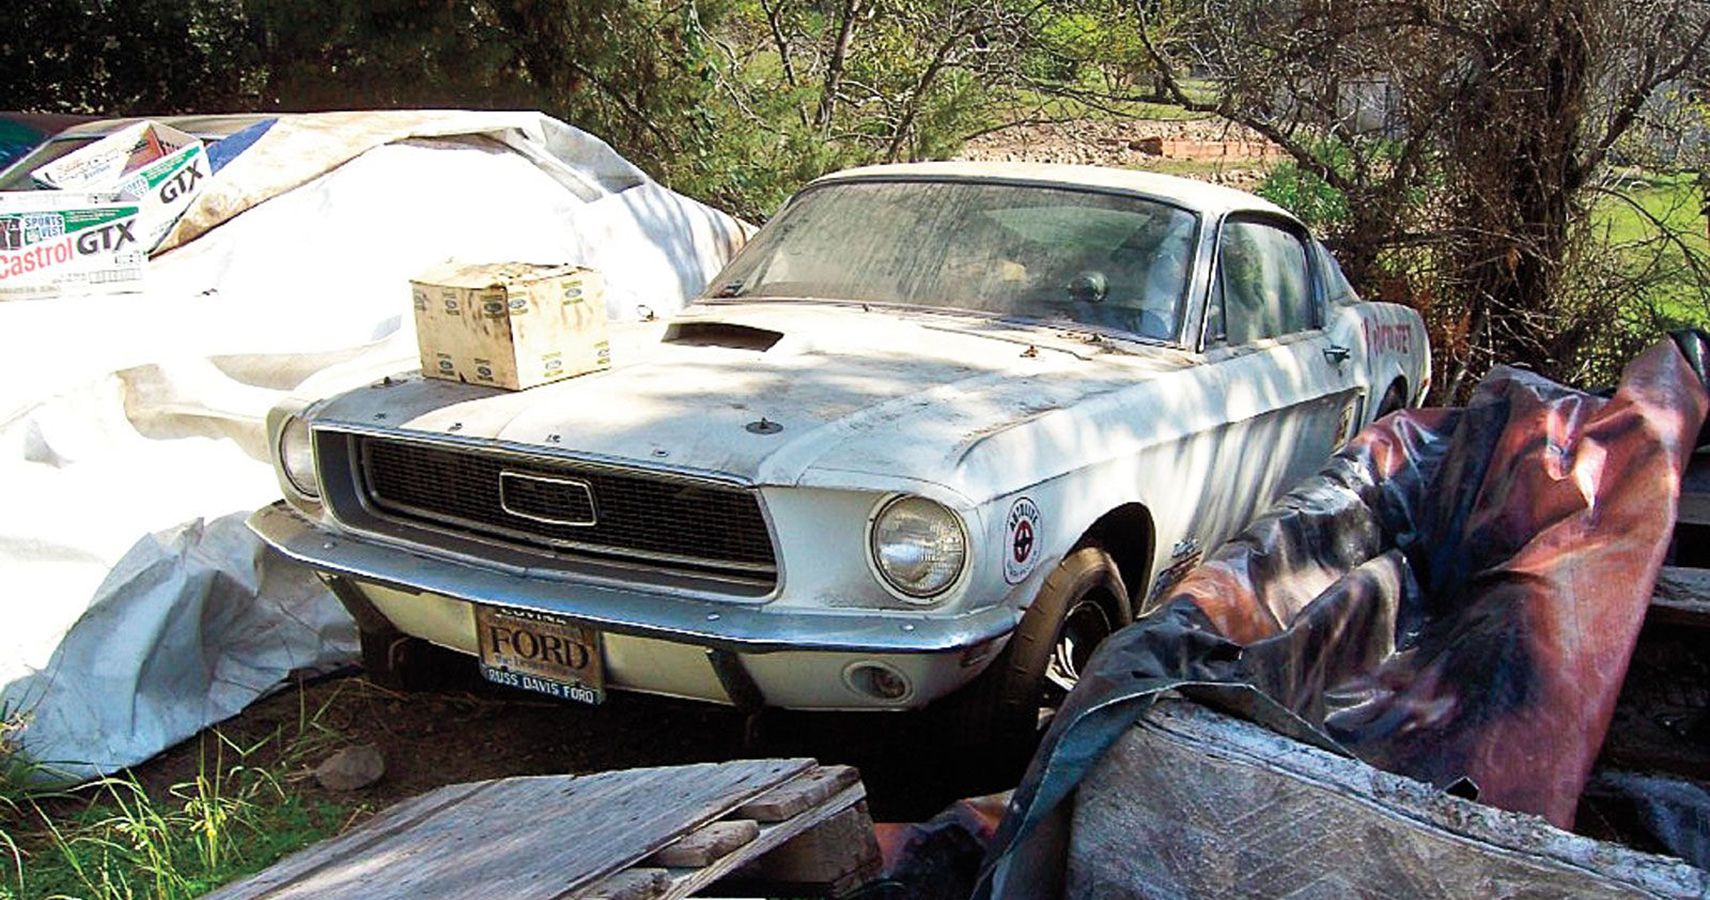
(1021, 549)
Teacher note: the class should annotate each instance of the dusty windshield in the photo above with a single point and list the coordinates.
(1110, 261)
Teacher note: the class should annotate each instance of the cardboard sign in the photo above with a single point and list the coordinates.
(54, 243)
(161, 168)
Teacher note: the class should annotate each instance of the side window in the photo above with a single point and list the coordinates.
(1264, 282)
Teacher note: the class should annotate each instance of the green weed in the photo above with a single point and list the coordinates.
(112, 838)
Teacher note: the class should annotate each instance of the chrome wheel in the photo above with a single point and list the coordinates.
(1087, 624)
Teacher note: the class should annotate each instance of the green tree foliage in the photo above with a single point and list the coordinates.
(814, 85)
(735, 101)
(1469, 140)
(76, 56)
(636, 72)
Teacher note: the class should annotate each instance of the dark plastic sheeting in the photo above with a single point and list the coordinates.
(1455, 598)
(938, 859)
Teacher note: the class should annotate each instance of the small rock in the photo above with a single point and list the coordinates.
(352, 768)
(1151, 146)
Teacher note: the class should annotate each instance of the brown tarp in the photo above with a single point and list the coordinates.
(1454, 598)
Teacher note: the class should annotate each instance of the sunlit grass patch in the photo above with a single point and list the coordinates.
(1655, 225)
(242, 810)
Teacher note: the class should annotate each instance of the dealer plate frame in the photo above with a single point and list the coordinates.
(556, 656)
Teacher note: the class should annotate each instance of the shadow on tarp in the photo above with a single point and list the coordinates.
(1454, 598)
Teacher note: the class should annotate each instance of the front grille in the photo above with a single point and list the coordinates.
(561, 505)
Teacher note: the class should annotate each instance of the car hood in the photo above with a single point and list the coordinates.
(773, 393)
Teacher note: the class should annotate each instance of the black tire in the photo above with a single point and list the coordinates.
(396, 661)
(1082, 601)
(1393, 399)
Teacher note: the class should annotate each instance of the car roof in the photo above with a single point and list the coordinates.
(216, 126)
(1201, 196)
(16, 175)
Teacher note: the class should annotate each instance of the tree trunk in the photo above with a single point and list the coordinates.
(1519, 185)
(835, 65)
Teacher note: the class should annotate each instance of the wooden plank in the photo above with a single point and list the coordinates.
(1682, 597)
(795, 797)
(1194, 803)
(533, 837)
(1694, 509)
(632, 884)
(772, 835)
(829, 860)
(389, 822)
(709, 842)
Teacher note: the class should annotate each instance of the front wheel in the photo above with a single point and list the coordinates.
(1082, 602)
(1393, 399)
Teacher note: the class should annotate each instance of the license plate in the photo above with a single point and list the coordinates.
(540, 652)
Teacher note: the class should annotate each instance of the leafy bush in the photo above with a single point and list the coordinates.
(1308, 196)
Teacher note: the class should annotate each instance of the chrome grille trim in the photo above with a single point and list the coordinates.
(643, 515)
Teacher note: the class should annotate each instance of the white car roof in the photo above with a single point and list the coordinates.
(1202, 196)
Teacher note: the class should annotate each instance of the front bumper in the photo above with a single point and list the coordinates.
(797, 658)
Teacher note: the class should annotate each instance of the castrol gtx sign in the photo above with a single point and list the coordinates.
(54, 243)
(162, 169)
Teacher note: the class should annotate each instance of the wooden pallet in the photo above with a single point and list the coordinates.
(637, 833)
(1682, 594)
(1682, 597)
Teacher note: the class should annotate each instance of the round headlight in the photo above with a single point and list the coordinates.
(918, 546)
(297, 457)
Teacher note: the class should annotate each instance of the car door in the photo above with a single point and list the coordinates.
(1287, 383)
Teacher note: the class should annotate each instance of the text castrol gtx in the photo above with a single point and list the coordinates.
(88, 244)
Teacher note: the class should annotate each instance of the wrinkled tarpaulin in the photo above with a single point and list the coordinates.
(139, 608)
(1455, 598)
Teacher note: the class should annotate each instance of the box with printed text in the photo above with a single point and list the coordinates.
(511, 325)
(56, 243)
(161, 168)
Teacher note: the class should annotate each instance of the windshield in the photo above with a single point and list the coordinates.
(1019, 251)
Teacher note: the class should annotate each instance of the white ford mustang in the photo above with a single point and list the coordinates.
(936, 431)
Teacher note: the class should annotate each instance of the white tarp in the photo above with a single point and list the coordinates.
(137, 607)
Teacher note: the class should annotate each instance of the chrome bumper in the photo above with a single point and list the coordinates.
(743, 628)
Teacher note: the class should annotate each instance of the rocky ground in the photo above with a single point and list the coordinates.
(1209, 149)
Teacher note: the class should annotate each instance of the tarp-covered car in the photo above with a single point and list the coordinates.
(935, 432)
(132, 435)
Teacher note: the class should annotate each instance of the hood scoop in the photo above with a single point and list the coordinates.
(722, 334)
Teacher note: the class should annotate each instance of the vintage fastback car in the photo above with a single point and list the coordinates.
(934, 433)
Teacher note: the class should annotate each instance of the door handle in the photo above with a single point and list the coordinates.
(1337, 355)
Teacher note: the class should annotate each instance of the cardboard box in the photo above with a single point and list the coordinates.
(54, 243)
(161, 168)
(513, 325)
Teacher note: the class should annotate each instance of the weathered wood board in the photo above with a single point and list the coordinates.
(1682, 597)
(557, 836)
(832, 859)
(1194, 803)
(1694, 505)
(685, 882)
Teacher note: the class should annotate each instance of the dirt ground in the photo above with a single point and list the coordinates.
(475, 731)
